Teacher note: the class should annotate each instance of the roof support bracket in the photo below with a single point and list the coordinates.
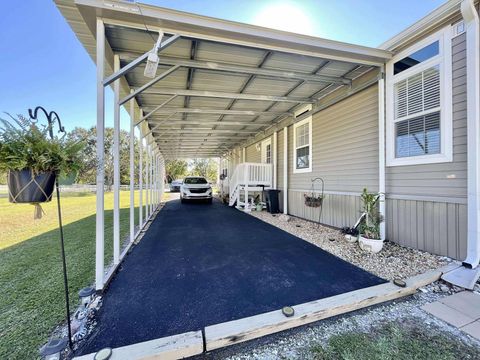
(150, 83)
(154, 110)
(132, 65)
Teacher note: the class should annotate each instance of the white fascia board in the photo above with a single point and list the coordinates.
(423, 25)
(208, 28)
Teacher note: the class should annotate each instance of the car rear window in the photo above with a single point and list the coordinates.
(195, 180)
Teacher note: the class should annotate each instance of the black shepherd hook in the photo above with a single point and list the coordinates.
(52, 116)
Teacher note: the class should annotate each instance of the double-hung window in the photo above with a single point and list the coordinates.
(419, 103)
(302, 146)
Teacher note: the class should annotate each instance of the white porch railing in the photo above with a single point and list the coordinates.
(249, 175)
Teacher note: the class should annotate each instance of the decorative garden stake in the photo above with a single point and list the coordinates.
(103, 354)
(52, 116)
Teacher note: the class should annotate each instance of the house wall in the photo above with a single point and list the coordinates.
(425, 204)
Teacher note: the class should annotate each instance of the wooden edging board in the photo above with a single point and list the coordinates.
(236, 331)
(167, 348)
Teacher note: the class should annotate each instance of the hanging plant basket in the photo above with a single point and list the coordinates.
(25, 187)
(313, 201)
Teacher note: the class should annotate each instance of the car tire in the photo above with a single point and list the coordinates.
(209, 200)
(182, 200)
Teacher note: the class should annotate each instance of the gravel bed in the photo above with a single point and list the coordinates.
(394, 261)
(297, 343)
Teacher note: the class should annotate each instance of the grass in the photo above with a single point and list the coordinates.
(393, 341)
(31, 284)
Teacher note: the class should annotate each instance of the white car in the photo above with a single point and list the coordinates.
(195, 188)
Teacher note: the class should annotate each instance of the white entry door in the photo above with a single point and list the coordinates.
(267, 151)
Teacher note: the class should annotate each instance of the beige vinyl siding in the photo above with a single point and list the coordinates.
(252, 155)
(443, 179)
(345, 146)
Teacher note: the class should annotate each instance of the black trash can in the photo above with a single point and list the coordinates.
(271, 198)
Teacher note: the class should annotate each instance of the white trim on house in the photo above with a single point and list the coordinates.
(296, 170)
(472, 25)
(264, 144)
(444, 60)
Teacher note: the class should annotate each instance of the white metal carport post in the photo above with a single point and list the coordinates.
(140, 177)
(132, 170)
(116, 164)
(285, 170)
(100, 220)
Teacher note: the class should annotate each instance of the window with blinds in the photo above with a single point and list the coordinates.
(419, 102)
(302, 146)
(418, 94)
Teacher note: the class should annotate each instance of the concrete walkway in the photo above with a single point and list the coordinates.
(461, 310)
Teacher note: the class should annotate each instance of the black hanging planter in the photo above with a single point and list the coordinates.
(313, 201)
(25, 187)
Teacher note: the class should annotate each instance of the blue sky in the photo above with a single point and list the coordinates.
(42, 62)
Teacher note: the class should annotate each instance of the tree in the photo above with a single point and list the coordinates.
(175, 169)
(207, 168)
(87, 174)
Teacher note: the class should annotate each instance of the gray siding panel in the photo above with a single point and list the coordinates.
(439, 228)
(345, 145)
(444, 179)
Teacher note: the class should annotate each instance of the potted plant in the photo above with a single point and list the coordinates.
(370, 239)
(33, 160)
(351, 234)
(312, 200)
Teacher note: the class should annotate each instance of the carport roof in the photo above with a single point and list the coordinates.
(226, 81)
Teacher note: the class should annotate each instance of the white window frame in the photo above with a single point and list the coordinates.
(310, 159)
(444, 60)
(265, 143)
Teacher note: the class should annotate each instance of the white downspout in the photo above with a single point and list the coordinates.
(381, 149)
(472, 28)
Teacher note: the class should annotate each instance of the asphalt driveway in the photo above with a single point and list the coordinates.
(201, 264)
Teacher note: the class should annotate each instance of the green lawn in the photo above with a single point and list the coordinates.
(396, 341)
(31, 285)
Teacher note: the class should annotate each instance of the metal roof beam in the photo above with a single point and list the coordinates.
(227, 95)
(249, 70)
(221, 112)
(204, 130)
(215, 123)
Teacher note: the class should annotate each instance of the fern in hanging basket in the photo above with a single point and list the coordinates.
(312, 200)
(33, 160)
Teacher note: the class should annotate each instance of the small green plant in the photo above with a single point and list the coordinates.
(370, 227)
(24, 144)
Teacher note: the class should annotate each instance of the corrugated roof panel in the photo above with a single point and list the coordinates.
(251, 105)
(205, 102)
(215, 81)
(293, 62)
(138, 41)
(176, 79)
(337, 68)
(209, 51)
(263, 86)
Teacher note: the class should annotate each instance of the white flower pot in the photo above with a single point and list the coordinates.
(351, 238)
(370, 245)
